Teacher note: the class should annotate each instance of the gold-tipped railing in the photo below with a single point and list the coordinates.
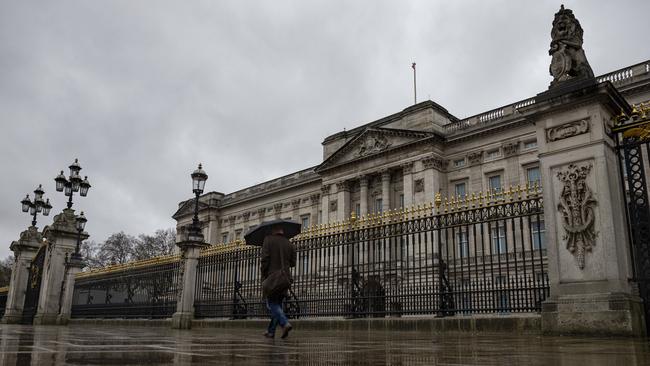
(130, 265)
(439, 206)
(4, 289)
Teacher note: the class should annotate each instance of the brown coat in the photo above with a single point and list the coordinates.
(276, 248)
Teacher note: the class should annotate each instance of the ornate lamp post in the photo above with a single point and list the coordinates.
(80, 223)
(73, 183)
(198, 183)
(38, 205)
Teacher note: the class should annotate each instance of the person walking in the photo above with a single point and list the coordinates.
(278, 254)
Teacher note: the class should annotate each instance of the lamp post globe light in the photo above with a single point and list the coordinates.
(198, 183)
(73, 183)
(39, 205)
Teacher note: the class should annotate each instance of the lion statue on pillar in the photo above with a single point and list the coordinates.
(568, 60)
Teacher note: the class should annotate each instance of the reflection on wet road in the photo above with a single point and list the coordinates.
(112, 345)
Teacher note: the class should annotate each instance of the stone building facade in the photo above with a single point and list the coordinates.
(398, 161)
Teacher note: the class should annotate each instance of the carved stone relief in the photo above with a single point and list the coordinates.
(342, 186)
(576, 205)
(510, 148)
(295, 204)
(475, 157)
(567, 130)
(435, 163)
(407, 168)
(325, 189)
(373, 144)
(418, 185)
(333, 205)
(315, 198)
(277, 207)
(246, 216)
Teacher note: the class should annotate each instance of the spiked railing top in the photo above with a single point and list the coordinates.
(130, 265)
(439, 206)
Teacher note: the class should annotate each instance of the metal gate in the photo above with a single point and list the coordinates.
(33, 286)
(632, 134)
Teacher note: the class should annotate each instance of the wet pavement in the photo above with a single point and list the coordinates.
(113, 345)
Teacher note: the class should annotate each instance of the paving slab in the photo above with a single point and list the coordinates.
(133, 345)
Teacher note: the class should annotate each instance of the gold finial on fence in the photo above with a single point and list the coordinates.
(621, 118)
(438, 200)
(635, 112)
(446, 204)
(537, 191)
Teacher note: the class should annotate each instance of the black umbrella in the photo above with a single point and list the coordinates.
(256, 235)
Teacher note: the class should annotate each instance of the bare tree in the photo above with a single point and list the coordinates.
(90, 253)
(117, 249)
(5, 270)
(162, 242)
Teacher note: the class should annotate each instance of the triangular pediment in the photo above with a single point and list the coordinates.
(187, 208)
(370, 142)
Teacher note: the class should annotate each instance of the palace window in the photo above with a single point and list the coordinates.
(378, 205)
(459, 163)
(533, 176)
(401, 201)
(463, 244)
(224, 237)
(538, 231)
(238, 234)
(357, 209)
(304, 220)
(499, 239)
(494, 183)
(459, 189)
(493, 154)
(530, 144)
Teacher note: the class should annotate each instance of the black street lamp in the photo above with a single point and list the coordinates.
(198, 183)
(38, 205)
(80, 223)
(73, 183)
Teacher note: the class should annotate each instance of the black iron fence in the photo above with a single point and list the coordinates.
(480, 254)
(146, 289)
(3, 300)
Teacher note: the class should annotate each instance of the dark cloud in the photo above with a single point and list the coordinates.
(142, 91)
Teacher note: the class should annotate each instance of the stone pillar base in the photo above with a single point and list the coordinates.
(615, 314)
(46, 319)
(62, 319)
(182, 320)
(11, 318)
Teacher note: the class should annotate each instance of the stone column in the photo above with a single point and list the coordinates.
(589, 261)
(190, 250)
(74, 266)
(343, 198)
(407, 171)
(295, 209)
(325, 203)
(363, 195)
(25, 250)
(385, 191)
(62, 239)
(433, 177)
(277, 210)
(315, 206)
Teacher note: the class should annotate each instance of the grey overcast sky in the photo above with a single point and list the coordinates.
(141, 91)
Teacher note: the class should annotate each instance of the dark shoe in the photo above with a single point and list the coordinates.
(285, 330)
(269, 335)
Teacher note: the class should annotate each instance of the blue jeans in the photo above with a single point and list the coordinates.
(277, 315)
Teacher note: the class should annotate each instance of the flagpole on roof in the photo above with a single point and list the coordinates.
(415, 90)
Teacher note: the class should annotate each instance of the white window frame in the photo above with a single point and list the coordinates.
(498, 237)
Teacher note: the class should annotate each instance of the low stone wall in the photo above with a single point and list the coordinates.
(520, 324)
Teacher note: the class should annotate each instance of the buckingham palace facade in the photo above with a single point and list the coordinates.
(398, 161)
